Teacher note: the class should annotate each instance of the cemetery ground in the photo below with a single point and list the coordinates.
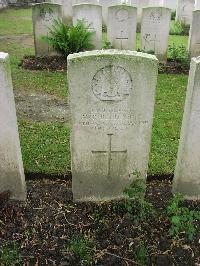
(50, 229)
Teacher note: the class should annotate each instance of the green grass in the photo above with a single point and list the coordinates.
(54, 83)
(15, 21)
(45, 146)
(170, 96)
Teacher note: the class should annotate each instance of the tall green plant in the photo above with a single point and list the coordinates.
(68, 39)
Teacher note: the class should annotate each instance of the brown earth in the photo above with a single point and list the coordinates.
(44, 226)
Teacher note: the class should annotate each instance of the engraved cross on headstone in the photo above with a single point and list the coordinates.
(154, 40)
(121, 38)
(109, 152)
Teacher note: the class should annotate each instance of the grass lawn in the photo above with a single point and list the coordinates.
(45, 146)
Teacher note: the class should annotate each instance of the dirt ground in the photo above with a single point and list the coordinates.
(45, 224)
(41, 107)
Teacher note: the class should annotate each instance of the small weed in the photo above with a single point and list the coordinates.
(181, 218)
(140, 254)
(135, 203)
(107, 45)
(82, 248)
(9, 255)
(179, 54)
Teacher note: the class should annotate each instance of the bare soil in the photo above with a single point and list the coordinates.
(45, 224)
(59, 63)
(41, 107)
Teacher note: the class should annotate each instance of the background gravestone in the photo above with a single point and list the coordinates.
(67, 11)
(194, 38)
(139, 4)
(184, 11)
(43, 16)
(11, 167)
(121, 28)
(155, 31)
(187, 173)
(105, 4)
(197, 4)
(112, 103)
(92, 15)
(75, 2)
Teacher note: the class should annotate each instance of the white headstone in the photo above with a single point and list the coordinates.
(105, 4)
(121, 28)
(155, 31)
(67, 11)
(11, 167)
(43, 19)
(197, 4)
(75, 2)
(139, 4)
(112, 103)
(92, 15)
(194, 38)
(184, 11)
(187, 173)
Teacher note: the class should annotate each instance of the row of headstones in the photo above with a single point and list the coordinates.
(184, 10)
(121, 26)
(112, 96)
(67, 6)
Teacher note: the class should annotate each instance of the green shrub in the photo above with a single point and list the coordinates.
(82, 248)
(68, 39)
(173, 15)
(181, 218)
(9, 255)
(178, 28)
(179, 54)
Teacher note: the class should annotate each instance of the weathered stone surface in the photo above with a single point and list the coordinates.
(155, 31)
(184, 11)
(121, 28)
(187, 172)
(43, 18)
(194, 38)
(139, 4)
(105, 4)
(75, 2)
(11, 166)
(67, 11)
(92, 14)
(197, 4)
(112, 103)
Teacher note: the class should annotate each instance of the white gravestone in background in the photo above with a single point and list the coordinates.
(105, 4)
(92, 15)
(139, 4)
(43, 16)
(197, 5)
(75, 2)
(184, 11)
(187, 172)
(112, 104)
(194, 38)
(121, 28)
(67, 11)
(155, 31)
(11, 167)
